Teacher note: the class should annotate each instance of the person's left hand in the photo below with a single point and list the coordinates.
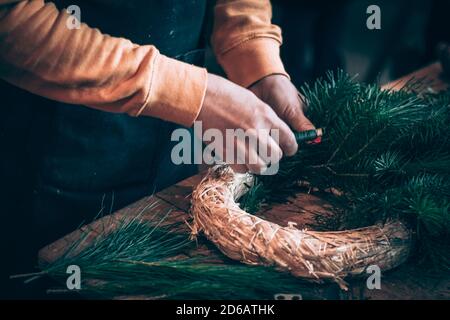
(279, 93)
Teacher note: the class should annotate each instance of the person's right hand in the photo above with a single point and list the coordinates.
(229, 106)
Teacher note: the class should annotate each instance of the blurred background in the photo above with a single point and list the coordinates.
(321, 35)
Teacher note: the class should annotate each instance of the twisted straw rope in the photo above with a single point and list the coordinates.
(311, 255)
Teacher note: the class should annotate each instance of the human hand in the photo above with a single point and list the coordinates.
(279, 93)
(229, 106)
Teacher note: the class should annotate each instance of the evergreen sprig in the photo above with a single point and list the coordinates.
(146, 260)
(387, 151)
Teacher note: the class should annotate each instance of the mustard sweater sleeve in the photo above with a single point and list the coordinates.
(39, 53)
(245, 42)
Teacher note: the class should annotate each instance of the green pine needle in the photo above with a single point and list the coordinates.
(389, 151)
(137, 259)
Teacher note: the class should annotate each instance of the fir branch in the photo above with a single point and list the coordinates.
(387, 150)
(141, 258)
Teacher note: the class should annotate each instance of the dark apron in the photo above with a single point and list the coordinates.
(91, 162)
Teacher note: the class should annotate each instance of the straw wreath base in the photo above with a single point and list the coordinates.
(307, 254)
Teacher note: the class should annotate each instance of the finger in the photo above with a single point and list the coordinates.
(247, 154)
(287, 141)
(272, 156)
(268, 148)
(296, 117)
(302, 123)
(239, 168)
(255, 163)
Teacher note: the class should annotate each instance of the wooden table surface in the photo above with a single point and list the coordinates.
(405, 282)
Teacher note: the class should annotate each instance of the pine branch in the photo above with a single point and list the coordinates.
(381, 148)
(144, 259)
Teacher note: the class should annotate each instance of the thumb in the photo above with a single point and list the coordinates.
(301, 122)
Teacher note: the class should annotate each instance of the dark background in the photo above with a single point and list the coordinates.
(318, 35)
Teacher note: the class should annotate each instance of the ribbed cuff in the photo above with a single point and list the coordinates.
(176, 92)
(252, 60)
